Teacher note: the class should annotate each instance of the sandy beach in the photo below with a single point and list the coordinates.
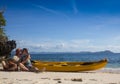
(94, 77)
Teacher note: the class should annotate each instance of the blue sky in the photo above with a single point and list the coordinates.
(64, 25)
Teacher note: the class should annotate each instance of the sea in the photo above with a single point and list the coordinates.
(113, 58)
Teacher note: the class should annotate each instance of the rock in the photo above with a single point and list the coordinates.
(6, 48)
(59, 81)
(77, 79)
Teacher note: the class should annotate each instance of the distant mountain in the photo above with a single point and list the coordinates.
(106, 52)
(83, 52)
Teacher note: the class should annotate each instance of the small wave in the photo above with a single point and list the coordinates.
(110, 70)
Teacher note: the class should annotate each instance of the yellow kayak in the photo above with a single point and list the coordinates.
(70, 66)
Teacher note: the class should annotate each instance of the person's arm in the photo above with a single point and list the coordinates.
(26, 59)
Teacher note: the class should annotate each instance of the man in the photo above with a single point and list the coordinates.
(9, 65)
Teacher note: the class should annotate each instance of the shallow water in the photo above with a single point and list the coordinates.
(113, 59)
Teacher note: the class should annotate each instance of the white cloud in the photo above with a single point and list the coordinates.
(75, 10)
(50, 10)
(57, 46)
(67, 46)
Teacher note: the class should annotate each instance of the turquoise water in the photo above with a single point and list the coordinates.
(113, 59)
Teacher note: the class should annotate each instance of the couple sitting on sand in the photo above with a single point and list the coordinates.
(21, 61)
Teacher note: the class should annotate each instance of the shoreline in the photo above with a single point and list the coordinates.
(103, 70)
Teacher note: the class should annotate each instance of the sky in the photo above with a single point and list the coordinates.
(63, 25)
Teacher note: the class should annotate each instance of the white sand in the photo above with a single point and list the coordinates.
(94, 77)
(58, 78)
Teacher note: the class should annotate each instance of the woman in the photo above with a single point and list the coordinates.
(25, 60)
(17, 55)
(12, 64)
(17, 59)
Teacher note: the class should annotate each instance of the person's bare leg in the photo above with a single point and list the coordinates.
(5, 66)
(22, 67)
(13, 68)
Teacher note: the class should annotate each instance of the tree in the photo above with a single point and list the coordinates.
(3, 36)
(6, 46)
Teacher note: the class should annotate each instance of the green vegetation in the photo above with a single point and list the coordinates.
(6, 46)
(3, 36)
